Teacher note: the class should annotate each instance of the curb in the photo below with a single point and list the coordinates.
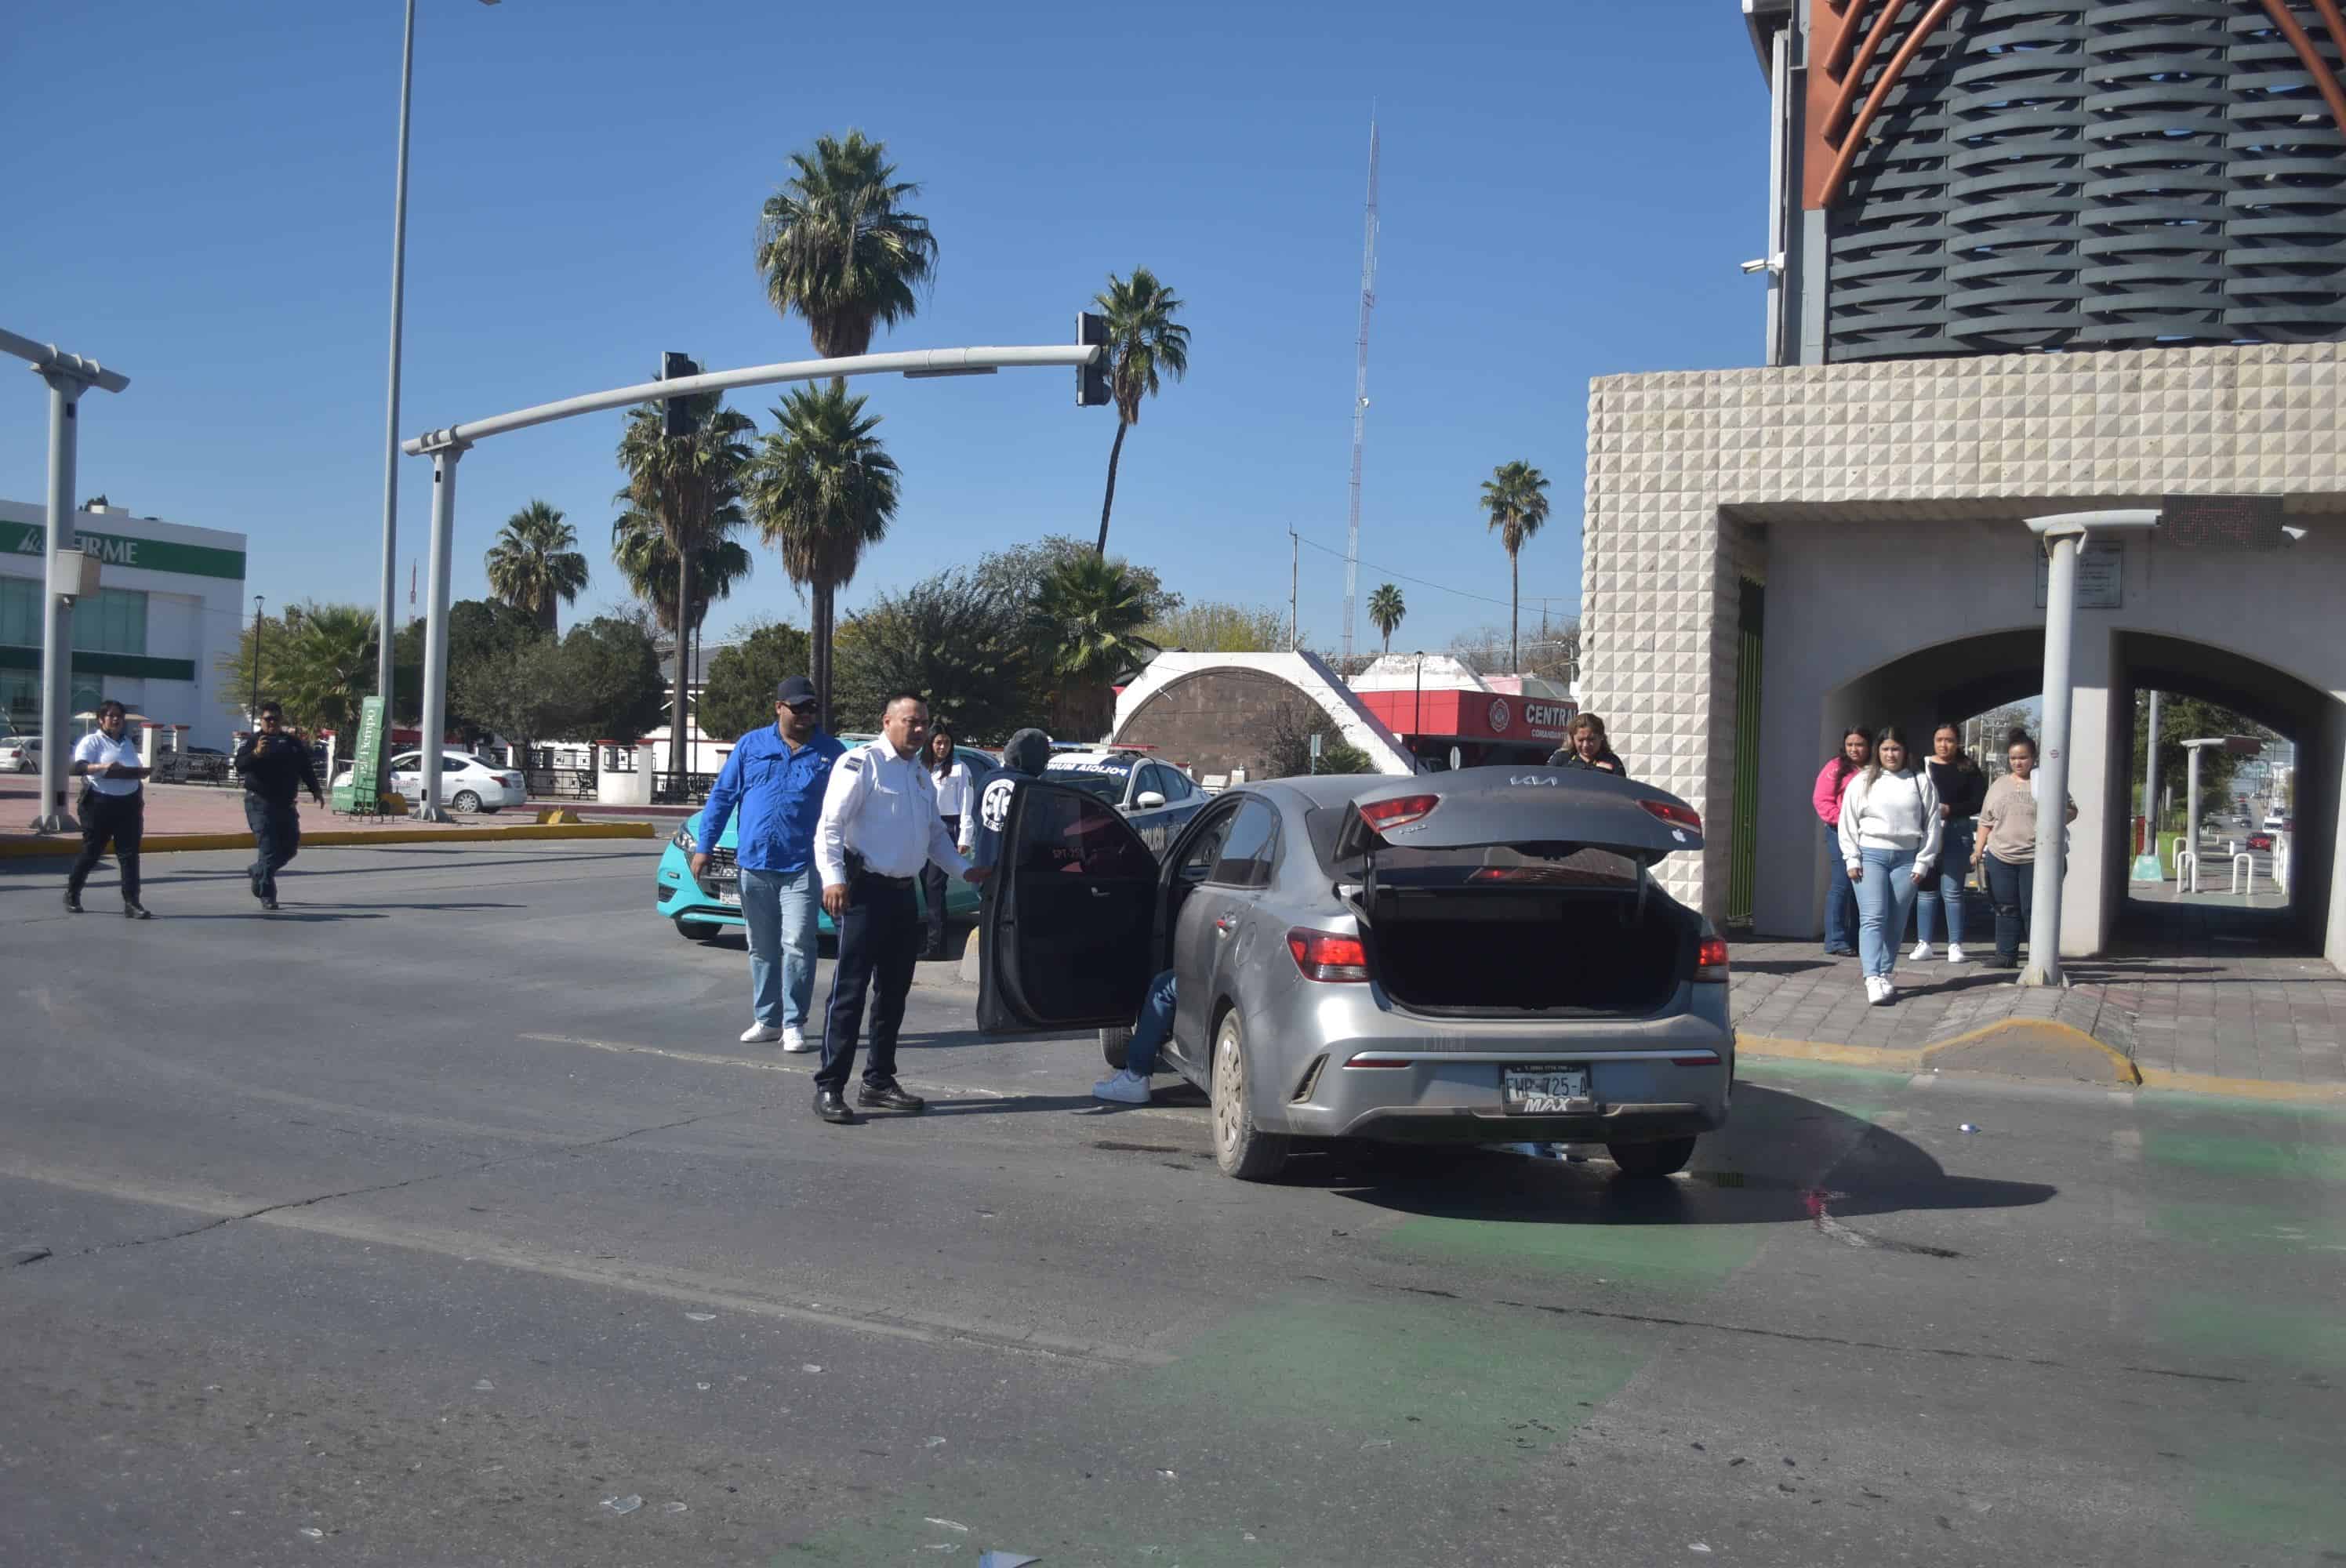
(166, 843)
(2049, 1035)
(2271, 1091)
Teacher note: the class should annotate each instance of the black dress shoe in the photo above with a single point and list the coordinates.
(887, 1097)
(268, 901)
(832, 1107)
(133, 909)
(73, 901)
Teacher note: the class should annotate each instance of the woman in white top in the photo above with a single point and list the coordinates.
(1889, 839)
(950, 775)
(113, 806)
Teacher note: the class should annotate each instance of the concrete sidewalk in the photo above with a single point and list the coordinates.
(2189, 1020)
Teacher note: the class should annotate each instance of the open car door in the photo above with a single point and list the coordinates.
(1066, 937)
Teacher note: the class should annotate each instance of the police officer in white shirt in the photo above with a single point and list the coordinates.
(113, 806)
(879, 827)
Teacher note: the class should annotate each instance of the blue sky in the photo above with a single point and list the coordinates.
(205, 203)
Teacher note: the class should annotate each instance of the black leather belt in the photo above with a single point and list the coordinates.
(885, 882)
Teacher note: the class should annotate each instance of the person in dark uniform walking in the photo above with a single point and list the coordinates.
(878, 827)
(273, 765)
(113, 806)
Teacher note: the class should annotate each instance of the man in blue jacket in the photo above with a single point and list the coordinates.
(777, 778)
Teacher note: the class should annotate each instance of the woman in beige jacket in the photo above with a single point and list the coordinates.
(2007, 841)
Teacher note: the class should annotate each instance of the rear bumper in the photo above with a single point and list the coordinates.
(1612, 1124)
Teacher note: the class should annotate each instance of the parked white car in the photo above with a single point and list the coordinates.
(20, 754)
(466, 783)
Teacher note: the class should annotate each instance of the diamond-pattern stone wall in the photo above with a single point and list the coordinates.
(1681, 463)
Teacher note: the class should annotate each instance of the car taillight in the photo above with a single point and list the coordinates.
(1324, 956)
(1386, 815)
(1671, 811)
(1710, 962)
(1371, 1061)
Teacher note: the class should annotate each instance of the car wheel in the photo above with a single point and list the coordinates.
(464, 800)
(1112, 1045)
(1241, 1148)
(698, 931)
(1647, 1161)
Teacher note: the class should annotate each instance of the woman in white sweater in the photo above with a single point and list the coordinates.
(1889, 841)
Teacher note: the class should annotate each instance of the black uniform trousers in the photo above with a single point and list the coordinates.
(934, 885)
(121, 819)
(879, 945)
(276, 838)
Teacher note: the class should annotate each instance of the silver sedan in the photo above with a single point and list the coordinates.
(1473, 957)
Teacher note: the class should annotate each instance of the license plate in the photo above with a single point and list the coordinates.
(729, 897)
(1543, 1091)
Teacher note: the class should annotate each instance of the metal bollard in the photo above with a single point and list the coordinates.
(2244, 869)
(2186, 866)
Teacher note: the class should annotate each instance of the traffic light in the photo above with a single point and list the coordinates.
(676, 418)
(1092, 380)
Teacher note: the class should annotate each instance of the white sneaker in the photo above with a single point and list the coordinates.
(1954, 952)
(761, 1035)
(1127, 1088)
(1922, 951)
(794, 1040)
(1876, 989)
(1888, 991)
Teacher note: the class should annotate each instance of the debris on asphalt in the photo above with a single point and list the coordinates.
(810, 1366)
(484, 1387)
(1968, 1127)
(702, 1387)
(1167, 1475)
(313, 1532)
(948, 1524)
(626, 1504)
(673, 1507)
(701, 1317)
(1005, 1559)
(1698, 1546)
(934, 1442)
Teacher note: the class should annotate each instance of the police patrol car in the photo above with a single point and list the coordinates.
(1155, 796)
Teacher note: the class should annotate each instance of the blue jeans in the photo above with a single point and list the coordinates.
(1841, 898)
(1944, 890)
(1884, 900)
(779, 908)
(1151, 1029)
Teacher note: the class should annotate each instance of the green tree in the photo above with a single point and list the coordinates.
(960, 643)
(1288, 753)
(687, 484)
(823, 489)
(1088, 622)
(1212, 625)
(1387, 610)
(739, 694)
(1018, 572)
(534, 565)
(236, 665)
(478, 630)
(2182, 719)
(642, 554)
(519, 694)
(329, 667)
(1515, 499)
(1142, 339)
(837, 247)
(612, 679)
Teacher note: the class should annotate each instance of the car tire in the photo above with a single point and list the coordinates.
(464, 800)
(1646, 1162)
(1241, 1148)
(1112, 1046)
(698, 931)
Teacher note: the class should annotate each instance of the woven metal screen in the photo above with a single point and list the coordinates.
(2092, 174)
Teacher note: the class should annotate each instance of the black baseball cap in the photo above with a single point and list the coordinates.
(794, 690)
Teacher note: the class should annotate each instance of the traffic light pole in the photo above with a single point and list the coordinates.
(446, 446)
(68, 376)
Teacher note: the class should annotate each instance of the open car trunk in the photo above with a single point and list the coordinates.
(1508, 934)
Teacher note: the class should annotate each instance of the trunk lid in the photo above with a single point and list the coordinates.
(1519, 806)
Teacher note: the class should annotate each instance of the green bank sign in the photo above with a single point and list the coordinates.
(143, 554)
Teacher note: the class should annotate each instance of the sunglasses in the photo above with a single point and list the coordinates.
(801, 707)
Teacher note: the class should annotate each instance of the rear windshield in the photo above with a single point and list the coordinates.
(1537, 864)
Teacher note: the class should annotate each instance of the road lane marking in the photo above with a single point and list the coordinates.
(685, 1285)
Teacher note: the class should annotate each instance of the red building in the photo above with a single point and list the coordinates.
(1481, 727)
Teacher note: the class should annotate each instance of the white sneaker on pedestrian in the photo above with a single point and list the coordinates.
(1127, 1088)
(761, 1035)
(1922, 951)
(1888, 991)
(1954, 952)
(1876, 989)
(794, 1040)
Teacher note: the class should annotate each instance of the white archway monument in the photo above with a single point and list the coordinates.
(446, 446)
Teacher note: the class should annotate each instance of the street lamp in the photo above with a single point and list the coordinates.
(2063, 533)
(256, 661)
(391, 417)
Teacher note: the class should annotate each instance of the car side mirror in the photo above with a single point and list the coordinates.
(1150, 800)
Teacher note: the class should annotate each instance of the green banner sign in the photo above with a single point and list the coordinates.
(119, 550)
(366, 758)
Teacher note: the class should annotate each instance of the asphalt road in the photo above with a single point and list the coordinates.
(423, 1221)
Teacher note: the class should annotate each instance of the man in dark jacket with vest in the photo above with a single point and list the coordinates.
(273, 765)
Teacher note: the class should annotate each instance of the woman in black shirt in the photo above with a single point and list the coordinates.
(1961, 789)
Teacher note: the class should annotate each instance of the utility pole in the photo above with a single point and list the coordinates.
(1361, 397)
(254, 712)
(1294, 570)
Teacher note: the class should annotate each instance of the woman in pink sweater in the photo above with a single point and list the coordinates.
(1840, 893)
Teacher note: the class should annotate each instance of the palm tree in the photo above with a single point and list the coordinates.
(822, 488)
(641, 553)
(327, 668)
(1142, 338)
(1089, 617)
(534, 565)
(685, 484)
(836, 245)
(1387, 610)
(1515, 497)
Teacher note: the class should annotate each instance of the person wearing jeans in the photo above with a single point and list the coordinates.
(1840, 893)
(776, 776)
(1129, 1086)
(1963, 789)
(1890, 833)
(274, 766)
(2007, 840)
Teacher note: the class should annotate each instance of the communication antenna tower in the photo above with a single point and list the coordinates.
(1360, 398)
